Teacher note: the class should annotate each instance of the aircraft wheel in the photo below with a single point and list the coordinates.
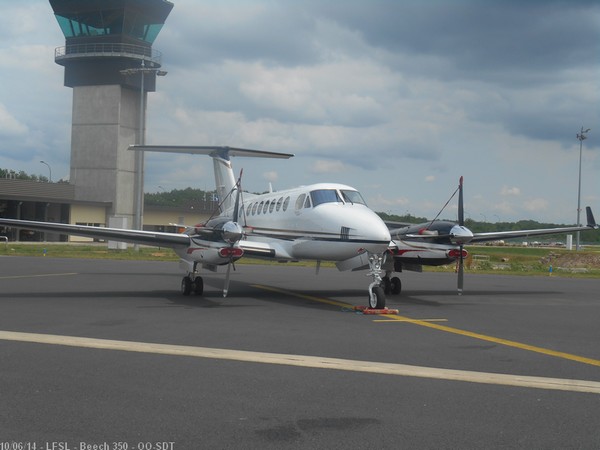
(378, 302)
(386, 284)
(186, 286)
(198, 286)
(395, 285)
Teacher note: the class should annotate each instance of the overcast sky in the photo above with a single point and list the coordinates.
(397, 98)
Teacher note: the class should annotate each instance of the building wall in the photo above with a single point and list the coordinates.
(87, 215)
(104, 125)
(161, 220)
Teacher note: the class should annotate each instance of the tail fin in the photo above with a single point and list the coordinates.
(224, 179)
(591, 222)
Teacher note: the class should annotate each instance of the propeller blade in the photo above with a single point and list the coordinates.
(236, 208)
(461, 211)
(461, 272)
(226, 286)
(232, 231)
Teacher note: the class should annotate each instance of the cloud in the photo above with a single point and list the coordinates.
(380, 202)
(9, 126)
(406, 95)
(535, 205)
(271, 176)
(328, 166)
(510, 191)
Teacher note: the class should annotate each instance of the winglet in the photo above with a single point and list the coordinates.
(591, 222)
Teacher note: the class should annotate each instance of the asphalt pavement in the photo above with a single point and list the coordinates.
(109, 353)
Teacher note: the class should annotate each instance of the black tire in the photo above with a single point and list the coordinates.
(396, 285)
(379, 301)
(186, 286)
(198, 286)
(386, 284)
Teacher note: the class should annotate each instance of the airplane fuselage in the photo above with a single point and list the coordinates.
(326, 221)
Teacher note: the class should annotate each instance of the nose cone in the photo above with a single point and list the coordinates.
(460, 235)
(376, 229)
(363, 225)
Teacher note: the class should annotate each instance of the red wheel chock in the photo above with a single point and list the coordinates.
(367, 310)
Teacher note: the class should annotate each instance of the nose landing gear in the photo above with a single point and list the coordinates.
(376, 292)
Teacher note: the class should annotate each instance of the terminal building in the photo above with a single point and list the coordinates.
(111, 66)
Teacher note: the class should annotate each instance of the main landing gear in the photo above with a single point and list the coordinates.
(391, 285)
(192, 282)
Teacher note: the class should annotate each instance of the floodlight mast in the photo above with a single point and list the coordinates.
(49, 170)
(581, 136)
(139, 160)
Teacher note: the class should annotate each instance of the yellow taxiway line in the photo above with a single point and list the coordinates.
(308, 362)
(506, 342)
(428, 323)
(41, 275)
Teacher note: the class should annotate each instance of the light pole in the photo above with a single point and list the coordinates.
(581, 136)
(139, 156)
(49, 169)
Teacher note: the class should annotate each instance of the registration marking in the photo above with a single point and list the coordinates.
(382, 368)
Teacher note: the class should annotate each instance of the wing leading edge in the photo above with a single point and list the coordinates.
(493, 235)
(116, 234)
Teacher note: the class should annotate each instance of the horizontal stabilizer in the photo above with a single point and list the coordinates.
(223, 152)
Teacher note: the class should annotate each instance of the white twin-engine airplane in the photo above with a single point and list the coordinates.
(320, 222)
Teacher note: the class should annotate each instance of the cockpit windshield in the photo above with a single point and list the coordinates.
(325, 196)
(333, 196)
(353, 197)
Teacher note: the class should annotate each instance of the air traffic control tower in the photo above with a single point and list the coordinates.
(106, 40)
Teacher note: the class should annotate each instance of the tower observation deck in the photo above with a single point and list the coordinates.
(104, 41)
(106, 36)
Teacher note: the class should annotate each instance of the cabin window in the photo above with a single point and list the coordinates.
(325, 196)
(272, 207)
(266, 208)
(260, 207)
(300, 201)
(353, 197)
(286, 202)
(254, 207)
(279, 202)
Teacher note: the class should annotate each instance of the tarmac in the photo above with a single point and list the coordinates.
(109, 353)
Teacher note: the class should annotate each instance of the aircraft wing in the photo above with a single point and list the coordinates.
(392, 225)
(115, 234)
(495, 235)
